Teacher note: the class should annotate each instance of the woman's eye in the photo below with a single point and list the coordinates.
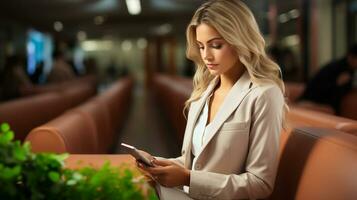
(216, 46)
(201, 47)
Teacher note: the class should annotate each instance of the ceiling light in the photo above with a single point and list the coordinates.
(292, 40)
(126, 45)
(283, 18)
(163, 29)
(96, 45)
(81, 35)
(58, 26)
(294, 13)
(98, 20)
(142, 43)
(100, 6)
(134, 6)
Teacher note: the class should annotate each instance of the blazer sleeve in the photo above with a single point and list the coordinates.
(178, 160)
(257, 181)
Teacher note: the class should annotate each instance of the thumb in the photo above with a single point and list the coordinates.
(162, 162)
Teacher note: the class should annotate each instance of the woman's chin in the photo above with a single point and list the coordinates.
(214, 72)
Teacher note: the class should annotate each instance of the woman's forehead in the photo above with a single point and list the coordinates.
(206, 33)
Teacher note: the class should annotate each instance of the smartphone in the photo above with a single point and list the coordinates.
(137, 155)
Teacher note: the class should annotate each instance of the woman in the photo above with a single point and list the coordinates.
(236, 110)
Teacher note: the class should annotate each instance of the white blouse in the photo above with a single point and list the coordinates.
(201, 132)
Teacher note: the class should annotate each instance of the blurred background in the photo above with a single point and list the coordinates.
(114, 39)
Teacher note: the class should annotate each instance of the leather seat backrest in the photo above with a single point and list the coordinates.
(316, 164)
(304, 117)
(98, 113)
(70, 132)
(27, 113)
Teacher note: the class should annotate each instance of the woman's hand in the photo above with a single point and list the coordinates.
(168, 173)
(143, 168)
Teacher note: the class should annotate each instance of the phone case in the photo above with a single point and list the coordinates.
(137, 155)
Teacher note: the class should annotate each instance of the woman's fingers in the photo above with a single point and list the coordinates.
(161, 162)
(158, 170)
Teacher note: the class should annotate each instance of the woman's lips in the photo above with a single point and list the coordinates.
(212, 66)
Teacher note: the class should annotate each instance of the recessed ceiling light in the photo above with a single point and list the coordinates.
(98, 20)
(134, 6)
(58, 26)
(142, 43)
(126, 45)
(81, 35)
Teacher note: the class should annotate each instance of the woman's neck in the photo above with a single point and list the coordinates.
(228, 79)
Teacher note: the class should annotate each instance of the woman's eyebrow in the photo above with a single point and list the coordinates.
(210, 40)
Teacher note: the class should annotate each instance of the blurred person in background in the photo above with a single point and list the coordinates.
(61, 71)
(90, 65)
(332, 82)
(37, 76)
(236, 111)
(286, 60)
(13, 78)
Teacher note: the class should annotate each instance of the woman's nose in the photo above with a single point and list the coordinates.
(207, 55)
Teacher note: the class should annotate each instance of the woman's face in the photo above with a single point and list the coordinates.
(216, 53)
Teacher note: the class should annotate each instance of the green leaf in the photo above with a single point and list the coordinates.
(71, 182)
(27, 146)
(6, 137)
(5, 127)
(19, 153)
(77, 176)
(59, 158)
(8, 173)
(25, 175)
(54, 176)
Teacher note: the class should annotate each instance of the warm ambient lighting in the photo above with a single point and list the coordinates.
(95, 45)
(134, 6)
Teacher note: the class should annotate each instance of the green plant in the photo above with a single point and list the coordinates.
(25, 175)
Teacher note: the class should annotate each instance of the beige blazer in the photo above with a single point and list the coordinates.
(240, 160)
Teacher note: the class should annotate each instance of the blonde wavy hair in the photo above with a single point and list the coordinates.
(234, 21)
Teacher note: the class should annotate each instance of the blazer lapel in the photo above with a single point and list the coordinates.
(234, 97)
(195, 111)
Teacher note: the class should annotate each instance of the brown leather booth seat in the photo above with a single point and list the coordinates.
(117, 100)
(26, 113)
(89, 80)
(98, 114)
(171, 92)
(70, 132)
(294, 91)
(87, 128)
(316, 164)
(303, 117)
(77, 94)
